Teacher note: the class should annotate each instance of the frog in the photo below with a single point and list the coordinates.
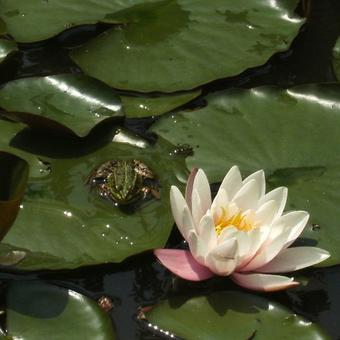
(124, 182)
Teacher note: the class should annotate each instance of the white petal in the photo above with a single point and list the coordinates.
(243, 244)
(263, 282)
(206, 230)
(221, 200)
(198, 247)
(178, 205)
(196, 209)
(247, 197)
(266, 212)
(256, 238)
(188, 188)
(296, 225)
(222, 259)
(232, 182)
(227, 233)
(279, 195)
(187, 223)
(291, 223)
(201, 185)
(294, 259)
(260, 179)
(266, 253)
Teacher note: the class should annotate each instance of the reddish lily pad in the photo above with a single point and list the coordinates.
(13, 179)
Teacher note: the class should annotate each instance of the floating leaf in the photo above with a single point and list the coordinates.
(336, 59)
(13, 180)
(294, 135)
(231, 315)
(68, 225)
(140, 107)
(2, 27)
(34, 20)
(8, 131)
(71, 102)
(178, 45)
(7, 47)
(37, 310)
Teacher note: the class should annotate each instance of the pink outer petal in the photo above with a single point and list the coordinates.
(264, 282)
(181, 263)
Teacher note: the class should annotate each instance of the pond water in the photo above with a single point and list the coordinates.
(140, 280)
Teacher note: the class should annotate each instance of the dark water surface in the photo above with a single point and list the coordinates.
(140, 280)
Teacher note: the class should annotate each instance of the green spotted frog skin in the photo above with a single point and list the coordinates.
(123, 181)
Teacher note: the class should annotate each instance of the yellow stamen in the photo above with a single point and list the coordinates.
(238, 220)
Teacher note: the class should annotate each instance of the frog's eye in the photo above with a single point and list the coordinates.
(98, 180)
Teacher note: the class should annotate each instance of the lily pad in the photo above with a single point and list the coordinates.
(170, 45)
(69, 225)
(2, 27)
(13, 180)
(37, 310)
(336, 59)
(231, 315)
(34, 20)
(8, 130)
(140, 107)
(294, 135)
(7, 47)
(71, 102)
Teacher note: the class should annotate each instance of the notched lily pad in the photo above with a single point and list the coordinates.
(292, 134)
(231, 315)
(71, 102)
(140, 107)
(36, 310)
(13, 179)
(165, 45)
(71, 226)
(34, 20)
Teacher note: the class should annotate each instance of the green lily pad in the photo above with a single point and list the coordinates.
(37, 310)
(336, 59)
(13, 179)
(140, 107)
(71, 102)
(2, 27)
(8, 130)
(34, 20)
(7, 47)
(170, 45)
(231, 315)
(294, 135)
(68, 225)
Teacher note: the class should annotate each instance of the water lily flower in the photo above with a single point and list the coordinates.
(243, 233)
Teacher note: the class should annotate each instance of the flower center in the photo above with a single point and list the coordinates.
(238, 220)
